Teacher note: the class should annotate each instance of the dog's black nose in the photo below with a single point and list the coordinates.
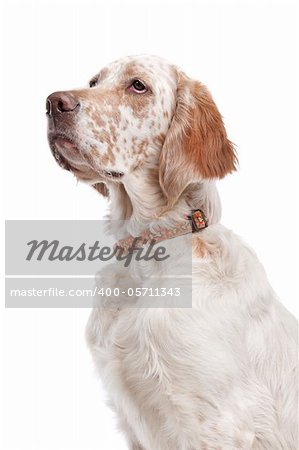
(61, 102)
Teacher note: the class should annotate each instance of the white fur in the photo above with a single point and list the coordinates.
(219, 375)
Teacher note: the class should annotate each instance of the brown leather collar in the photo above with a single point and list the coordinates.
(195, 222)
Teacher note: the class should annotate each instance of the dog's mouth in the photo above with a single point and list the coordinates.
(59, 158)
(68, 155)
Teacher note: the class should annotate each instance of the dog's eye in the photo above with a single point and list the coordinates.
(138, 87)
(93, 83)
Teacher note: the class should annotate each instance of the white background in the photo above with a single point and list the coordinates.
(246, 52)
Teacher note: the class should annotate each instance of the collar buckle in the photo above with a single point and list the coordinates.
(198, 219)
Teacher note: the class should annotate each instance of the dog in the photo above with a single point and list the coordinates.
(222, 373)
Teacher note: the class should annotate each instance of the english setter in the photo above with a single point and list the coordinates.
(222, 373)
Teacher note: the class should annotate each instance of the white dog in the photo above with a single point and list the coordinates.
(219, 375)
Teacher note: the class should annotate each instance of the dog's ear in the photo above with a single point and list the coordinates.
(196, 146)
(101, 188)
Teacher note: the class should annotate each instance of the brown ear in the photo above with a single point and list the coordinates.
(196, 146)
(101, 188)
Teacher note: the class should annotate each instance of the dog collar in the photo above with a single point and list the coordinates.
(194, 222)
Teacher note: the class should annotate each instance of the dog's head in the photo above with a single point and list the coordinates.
(137, 111)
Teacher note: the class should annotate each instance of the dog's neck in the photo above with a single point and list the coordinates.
(140, 202)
